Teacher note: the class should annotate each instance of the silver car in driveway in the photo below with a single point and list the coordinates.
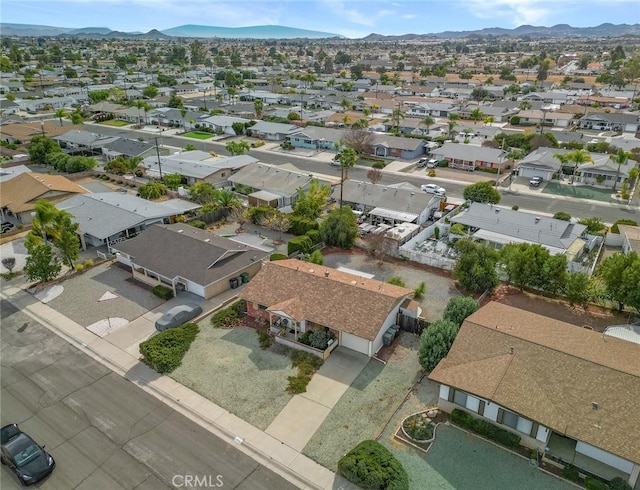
(178, 315)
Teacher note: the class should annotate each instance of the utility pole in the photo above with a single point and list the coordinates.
(158, 155)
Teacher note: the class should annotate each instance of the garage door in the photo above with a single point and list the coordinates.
(358, 344)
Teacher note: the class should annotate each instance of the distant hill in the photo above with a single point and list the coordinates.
(559, 31)
(251, 32)
(89, 30)
(31, 30)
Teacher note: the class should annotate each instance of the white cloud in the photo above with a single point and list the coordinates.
(367, 17)
(409, 16)
(515, 12)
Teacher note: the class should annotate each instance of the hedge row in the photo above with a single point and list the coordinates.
(372, 466)
(162, 292)
(164, 352)
(301, 225)
(484, 428)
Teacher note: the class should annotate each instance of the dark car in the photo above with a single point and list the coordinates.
(29, 461)
(7, 226)
(177, 316)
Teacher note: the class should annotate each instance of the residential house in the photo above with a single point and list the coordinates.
(22, 132)
(314, 137)
(107, 218)
(603, 171)
(394, 147)
(303, 297)
(630, 238)
(270, 185)
(8, 107)
(468, 157)
(196, 166)
(184, 258)
(272, 131)
(127, 148)
(18, 196)
(547, 118)
(222, 124)
(568, 392)
(434, 109)
(500, 226)
(389, 205)
(619, 122)
(541, 163)
(82, 141)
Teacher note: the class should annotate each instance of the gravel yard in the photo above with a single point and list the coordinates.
(229, 368)
(440, 286)
(365, 407)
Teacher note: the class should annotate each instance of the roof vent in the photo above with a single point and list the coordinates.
(180, 231)
(384, 189)
(594, 405)
(312, 270)
(497, 210)
(537, 219)
(511, 350)
(207, 239)
(354, 283)
(326, 273)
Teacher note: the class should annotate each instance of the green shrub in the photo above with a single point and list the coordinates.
(164, 352)
(79, 267)
(485, 428)
(418, 292)
(615, 229)
(264, 339)
(379, 165)
(570, 473)
(196, 223)
(315, 236)
(162, 292)
(591, 483)
(301, 244)
(307, 364)
(231, 313)
(298, 384)
(88, 263)
(301, 225)
(619, 483)
(396, 281)
(370, 465)
(278, 257)
(258, 213)
(562, 215)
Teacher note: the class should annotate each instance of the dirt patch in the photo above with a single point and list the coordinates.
(596, 317)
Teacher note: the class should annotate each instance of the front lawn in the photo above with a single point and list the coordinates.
(118, 123)
(198, 135)
(229, 368)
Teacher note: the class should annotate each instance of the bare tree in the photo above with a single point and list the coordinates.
(277, 222)
(374, 175)
(241, 216)
(358, 139)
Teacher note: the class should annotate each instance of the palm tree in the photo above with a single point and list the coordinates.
(620, 158)
(397, 115)
(428, 121)
(477, 114)
(60, 113)
(366, 112)
(452, 123)
(578, 157)
(258, 107)
(489, 120)
(347, 158)
(563, 158)
(524, 105)
(346, 119)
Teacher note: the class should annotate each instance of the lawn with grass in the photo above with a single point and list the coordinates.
(118, 123)
(198, 135)
(229, 368)
(579, 191)
(364, 409)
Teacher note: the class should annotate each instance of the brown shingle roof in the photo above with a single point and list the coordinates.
(555, 373)
(21, 193)
(25, 131)
(325, 296)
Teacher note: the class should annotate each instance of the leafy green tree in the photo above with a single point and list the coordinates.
(98, 95)
(152, 190)
(237, 147)
(172, 181)
(477, 114)
(554, 274)
(41, 264)
(309, 203)
(202, 192)
(476, 266)
(175, 102)
(339, 229)
(523, 264)
(40, 148)
(482, 192)
(578, 288)
(150, 92)
(54, 226)
(620, 274)
(371, 465)
(459, 308)
(258, 107)
(435, 342)
(594, 225)
(238, 127)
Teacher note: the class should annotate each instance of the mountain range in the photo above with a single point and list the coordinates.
(284, 32)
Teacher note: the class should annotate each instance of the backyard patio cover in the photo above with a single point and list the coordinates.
(394, 215)
(493, 237)
(265, 196)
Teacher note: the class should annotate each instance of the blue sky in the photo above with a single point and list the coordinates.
(350, 18)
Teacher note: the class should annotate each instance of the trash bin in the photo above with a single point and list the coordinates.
(233, 282)
(245, 277)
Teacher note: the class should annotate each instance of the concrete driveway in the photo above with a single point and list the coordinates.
(299, 420)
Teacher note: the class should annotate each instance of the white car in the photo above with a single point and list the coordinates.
(434, 189)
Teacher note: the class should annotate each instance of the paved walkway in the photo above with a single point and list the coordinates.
(304, 414)
(119, 352)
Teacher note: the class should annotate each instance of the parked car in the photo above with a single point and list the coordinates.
(535, 181)
(176, 316)
(433, 163)
(433, 189)
(422, 162)
(24, 457)
(7, 226)
(335, 161)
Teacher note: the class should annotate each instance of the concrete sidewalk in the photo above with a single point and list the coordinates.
(304, 414)
(120, 354)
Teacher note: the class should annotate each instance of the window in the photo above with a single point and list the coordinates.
(460, 398)
(507, 418)
(262, 307)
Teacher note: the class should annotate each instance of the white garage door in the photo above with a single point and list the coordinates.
(529, 172)
(355, 343)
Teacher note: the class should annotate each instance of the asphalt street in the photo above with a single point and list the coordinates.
(544, 203)
(103, 431)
